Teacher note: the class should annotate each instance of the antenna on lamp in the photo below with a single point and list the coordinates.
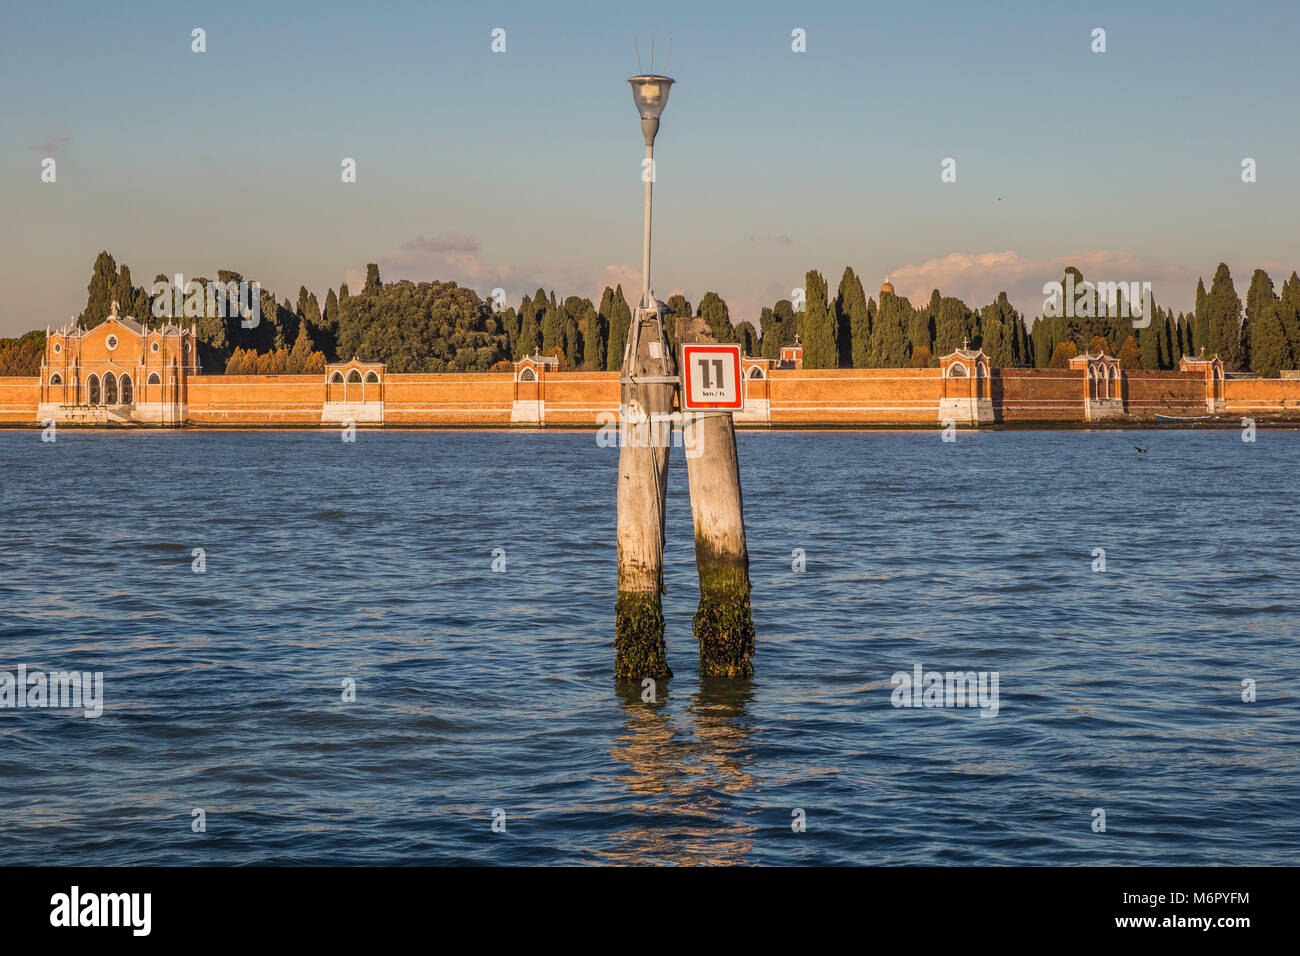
(652, 54)
(638, 55)
(668, 54)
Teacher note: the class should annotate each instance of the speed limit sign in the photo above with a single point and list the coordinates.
(711, 378)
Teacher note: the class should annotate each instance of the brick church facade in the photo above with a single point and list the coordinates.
(120, 372)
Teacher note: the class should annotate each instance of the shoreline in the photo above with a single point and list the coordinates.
(1227, 424)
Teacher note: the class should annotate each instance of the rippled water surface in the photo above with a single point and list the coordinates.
(478, 690)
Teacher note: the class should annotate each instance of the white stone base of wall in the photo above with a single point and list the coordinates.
(966, 411)
(756, 411)
(1215, 406)
(361, 413)
(1095, 409)
(142, 413)
(528, 412)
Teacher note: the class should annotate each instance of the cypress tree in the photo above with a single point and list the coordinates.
(108, 283)
(301, 351)
(1200, 327)
(620, 318)
(952, 324)
(553, 330)
(1289, 315)
(594, 344)
(530, 331)
(372, 279)
(860, 333)
(889, 332)
(1261, 310)
(1269, 351)
(820, 350)
(994, 337)
(1224, 320)
(1149, 340)
(748, 338)
(713, 309)
(769, 339)
(850, 313)
(920, 331)
(787, 322)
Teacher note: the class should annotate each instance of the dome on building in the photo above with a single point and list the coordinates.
(886, 286)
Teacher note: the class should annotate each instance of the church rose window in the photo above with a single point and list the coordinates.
(111, 342)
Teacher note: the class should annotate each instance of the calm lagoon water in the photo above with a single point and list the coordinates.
(478, 690)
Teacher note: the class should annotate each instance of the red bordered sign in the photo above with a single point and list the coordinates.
(711, 378)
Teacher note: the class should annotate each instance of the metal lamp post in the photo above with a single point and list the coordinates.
(651, 95)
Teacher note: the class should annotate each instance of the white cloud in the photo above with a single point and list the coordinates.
(977, 278)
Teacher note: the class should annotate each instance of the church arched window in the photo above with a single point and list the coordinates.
(110, 388)
(92, 390)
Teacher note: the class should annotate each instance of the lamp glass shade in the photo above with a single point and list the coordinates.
(651, 94)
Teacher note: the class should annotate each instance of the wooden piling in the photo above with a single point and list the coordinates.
(644, 408)
(723, 624)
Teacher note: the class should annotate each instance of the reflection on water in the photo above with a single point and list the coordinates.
(678, 772)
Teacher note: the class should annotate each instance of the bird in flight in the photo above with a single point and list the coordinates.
(1140, 451)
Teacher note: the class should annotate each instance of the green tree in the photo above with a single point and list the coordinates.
(713, 309)
(1262, 310)
(889, 347)
(1224, 320)
(952, 324)
(1269, 350)
(747, 336)
(594, 338)
(851, 316)
(817, 332)
(109, 284)
(1130, 356)
(1200, 328)
(1149, 341)
(619, 318)
(300, 354)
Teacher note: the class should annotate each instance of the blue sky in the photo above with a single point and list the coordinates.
(522, 169)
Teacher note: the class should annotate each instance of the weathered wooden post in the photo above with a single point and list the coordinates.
(723, 623)
(645, 404)
(644, 417)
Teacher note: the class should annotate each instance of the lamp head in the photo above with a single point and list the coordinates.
(650, 92)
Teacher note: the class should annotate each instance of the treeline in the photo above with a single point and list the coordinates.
(23, 355)
(443, 327)
(852, 330)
